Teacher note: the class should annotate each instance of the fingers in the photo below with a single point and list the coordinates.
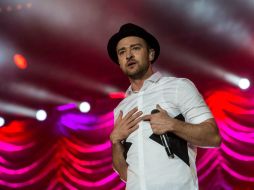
(131, 119)
(121, 119)
(135, 122)
(134, 116)
(135, 127)
(119, 116)
(130, 113)
(160, 108)
(146, 117)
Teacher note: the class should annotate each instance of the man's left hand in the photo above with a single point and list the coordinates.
(161, 122)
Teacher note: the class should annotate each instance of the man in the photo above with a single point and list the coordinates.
(137, 138)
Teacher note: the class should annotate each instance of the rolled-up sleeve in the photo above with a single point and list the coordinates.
(191, 102)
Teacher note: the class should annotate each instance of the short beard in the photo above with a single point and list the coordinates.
(140, 72)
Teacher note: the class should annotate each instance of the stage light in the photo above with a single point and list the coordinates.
(189, 59)
(2, 122)
(8, 8)
(36, 93)
(20, 61)
(19, 7)
(29, 5)
(10, 108)
(41, 115)
(73, 77)
(117, 95)
(244, 83)
(68, 106)
(84, 107)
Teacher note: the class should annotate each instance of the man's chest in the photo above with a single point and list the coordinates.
(147, 100)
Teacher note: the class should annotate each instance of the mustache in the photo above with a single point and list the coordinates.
(131, 61)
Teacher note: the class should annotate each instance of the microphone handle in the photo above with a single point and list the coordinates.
(166, 144)
(165, 140)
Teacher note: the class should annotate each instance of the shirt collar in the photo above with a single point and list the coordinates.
(155, 77)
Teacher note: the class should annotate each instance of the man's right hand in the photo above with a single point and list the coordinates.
(124, 126)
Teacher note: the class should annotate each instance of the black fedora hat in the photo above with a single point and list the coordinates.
(130, 29)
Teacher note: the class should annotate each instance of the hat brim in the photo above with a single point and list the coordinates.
(132, 31)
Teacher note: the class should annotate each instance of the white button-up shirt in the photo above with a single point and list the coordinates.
(149, 167)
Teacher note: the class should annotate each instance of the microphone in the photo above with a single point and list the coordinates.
(165, 139)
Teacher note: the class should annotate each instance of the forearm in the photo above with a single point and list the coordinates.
(119, 162)
(205, 134)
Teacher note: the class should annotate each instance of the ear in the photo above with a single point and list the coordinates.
(151, 54)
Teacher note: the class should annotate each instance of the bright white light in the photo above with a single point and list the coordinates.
(11, 108)
(244, 83)
(41, 115)
(84, 107)
(36, 93)
(2, 121)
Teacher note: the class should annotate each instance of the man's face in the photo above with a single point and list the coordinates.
(133, 56)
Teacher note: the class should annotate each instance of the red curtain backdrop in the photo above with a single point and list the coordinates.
(232, 165)
(73, 151)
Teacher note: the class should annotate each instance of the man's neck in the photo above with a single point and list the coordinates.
(136, 84)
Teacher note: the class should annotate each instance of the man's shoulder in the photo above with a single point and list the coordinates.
(121, 105)
(171, 80)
